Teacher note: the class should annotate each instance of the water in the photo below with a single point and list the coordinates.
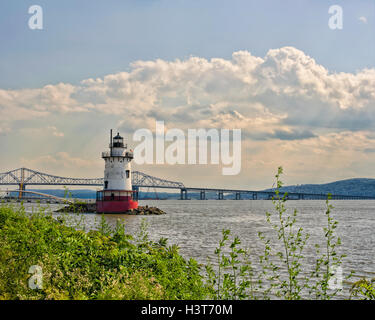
(195, 226)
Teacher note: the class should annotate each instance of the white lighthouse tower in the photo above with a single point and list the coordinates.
(117, 195)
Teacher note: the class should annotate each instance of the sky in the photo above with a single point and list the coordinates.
(301, 93)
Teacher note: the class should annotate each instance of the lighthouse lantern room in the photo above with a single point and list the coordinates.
(117, 195)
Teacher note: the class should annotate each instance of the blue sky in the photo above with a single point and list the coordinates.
(83, 39)
(302, 94)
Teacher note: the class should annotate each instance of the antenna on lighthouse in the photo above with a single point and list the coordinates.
(110, 143)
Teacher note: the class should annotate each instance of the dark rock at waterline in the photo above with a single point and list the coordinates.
(146, 210)
(79, 208)
(91, 208)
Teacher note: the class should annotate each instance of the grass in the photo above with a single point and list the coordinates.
(88, 265)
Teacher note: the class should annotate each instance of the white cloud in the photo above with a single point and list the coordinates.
(286, 88)
(42, 131)
(55, 131)
(363, 19)
(61, 162)
(285, 103)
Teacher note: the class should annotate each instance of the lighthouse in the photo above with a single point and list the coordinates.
(117, 195)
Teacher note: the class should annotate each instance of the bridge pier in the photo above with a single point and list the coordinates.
(136, 193)
(203, 195)
(21, 187)
(184, 195)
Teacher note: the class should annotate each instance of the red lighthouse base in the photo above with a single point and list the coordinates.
(115, 201)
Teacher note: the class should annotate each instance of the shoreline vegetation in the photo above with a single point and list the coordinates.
(46, 258)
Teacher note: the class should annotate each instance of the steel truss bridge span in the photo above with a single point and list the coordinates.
(24, 176)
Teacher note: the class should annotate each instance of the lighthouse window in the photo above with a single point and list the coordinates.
(127, 174)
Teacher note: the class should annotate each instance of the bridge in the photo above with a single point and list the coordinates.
(32, 196)
(23, 177)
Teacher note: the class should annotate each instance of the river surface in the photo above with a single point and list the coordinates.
(196, 225)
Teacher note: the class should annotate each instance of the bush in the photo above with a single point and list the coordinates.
(282, 262)
(94, 265)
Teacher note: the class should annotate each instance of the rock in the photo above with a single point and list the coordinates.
(146, 210)
(91, 208)
(79, 208)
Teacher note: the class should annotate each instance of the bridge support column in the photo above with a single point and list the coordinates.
(21, 188)
(21, 185)
(203, 195)
(220, 195)
(183, 194)
(238, 195)
(136, 193)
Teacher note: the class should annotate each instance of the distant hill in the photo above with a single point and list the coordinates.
(82, 194)
(354, 187)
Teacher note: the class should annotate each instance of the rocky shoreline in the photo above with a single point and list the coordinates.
(91, 208)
